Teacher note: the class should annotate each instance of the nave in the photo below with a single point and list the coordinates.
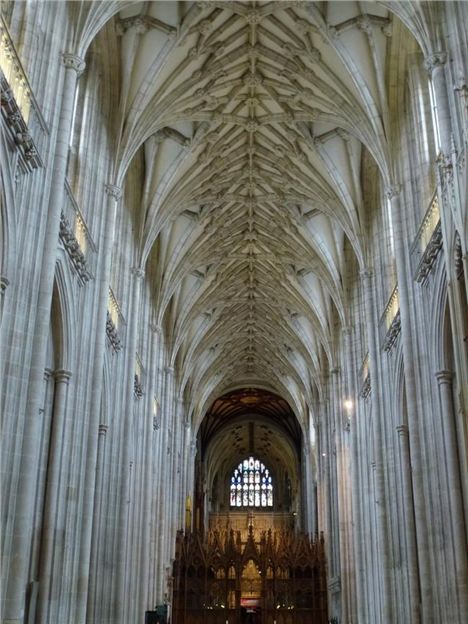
(234, 231)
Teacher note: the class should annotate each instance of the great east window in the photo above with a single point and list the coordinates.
(251, 485)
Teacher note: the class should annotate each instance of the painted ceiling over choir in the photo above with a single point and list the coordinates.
(252, 120)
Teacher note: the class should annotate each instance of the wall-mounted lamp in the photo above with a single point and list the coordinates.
(348, 405)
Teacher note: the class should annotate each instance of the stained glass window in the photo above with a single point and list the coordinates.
(251, 485)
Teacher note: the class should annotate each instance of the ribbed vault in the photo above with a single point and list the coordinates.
(248, 405)
(251, 121)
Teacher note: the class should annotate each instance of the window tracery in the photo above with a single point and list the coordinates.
(251, 485)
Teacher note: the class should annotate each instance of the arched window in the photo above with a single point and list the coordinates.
(251, 485)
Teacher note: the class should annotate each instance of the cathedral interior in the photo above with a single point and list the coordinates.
(234, 315)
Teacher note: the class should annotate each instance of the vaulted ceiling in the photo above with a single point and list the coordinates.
(241, 407)
(251, 120)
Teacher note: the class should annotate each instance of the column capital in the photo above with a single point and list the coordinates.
(434, 60)
(402, 430)
(393, 190)
(113, 191)
(444, 377)
(343, 134)
(61, 375)
(336, 370)
(102, 429)
(366, 273)
(137, 272)
(4, 282)
(347, 330)
(73, 61)
(48, 373)
(156, 329)
(137, 23)
(461, 87)
(169, 370)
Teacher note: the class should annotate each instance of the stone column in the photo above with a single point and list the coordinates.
(377, 584)
(444, 379)
(164, 471)
(191, 476)
(184, 426)
(358, 542)
(186, 466)
(114, 195)
(308, 489)
(47, 416)
(334, 461)
(94, 613)
(59, 447)
(15, 587)
(147, 542)
(410, 527)
(171, 463)
(362, 459)
(146, 511)
(350, 470)
(176, 519)
(415, 423)
(322, 470)
(379, 446)
(124, 532)
(178, 420)
(155, 472)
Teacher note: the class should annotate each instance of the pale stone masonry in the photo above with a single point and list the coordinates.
(198, 197)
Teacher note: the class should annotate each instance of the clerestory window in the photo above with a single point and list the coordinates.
(251, 485)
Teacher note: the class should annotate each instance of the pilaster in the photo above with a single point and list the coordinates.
(413, 414)
(447, 414)
(114, 195)
(385, 592)
(53, 514)
(125, 516)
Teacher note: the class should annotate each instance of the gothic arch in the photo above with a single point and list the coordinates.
(221, 388)
(421, 21)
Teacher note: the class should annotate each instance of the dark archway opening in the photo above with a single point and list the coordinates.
(254, 563)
